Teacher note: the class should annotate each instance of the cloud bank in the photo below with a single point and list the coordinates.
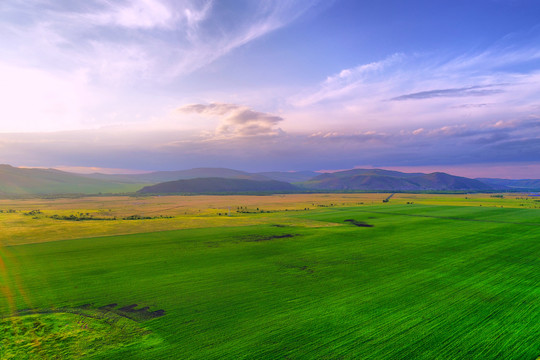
(458, 145)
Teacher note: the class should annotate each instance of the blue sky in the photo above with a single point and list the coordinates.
(272, 85)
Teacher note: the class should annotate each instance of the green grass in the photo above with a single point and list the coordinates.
(69, 335)
(447, 283)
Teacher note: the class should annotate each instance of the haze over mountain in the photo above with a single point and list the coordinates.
(377, 179)
(523, 184)
(289, 176)
(19, 181)
(219, 185)
(162, 176)
(22, 181)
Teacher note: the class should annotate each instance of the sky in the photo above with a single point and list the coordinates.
(143, 85)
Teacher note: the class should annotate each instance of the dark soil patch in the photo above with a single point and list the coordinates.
(128, 311)
(303, 268)
(358, 223)
(131, 312)
(307, 269)
(257, 238)
(105, 307)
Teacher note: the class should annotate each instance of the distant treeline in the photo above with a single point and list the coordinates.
(87, 216)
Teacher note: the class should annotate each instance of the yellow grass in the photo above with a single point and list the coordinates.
(197, 212)
(186, 212)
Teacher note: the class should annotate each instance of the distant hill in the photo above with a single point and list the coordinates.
(523, 184)
(385, 180)
(218, 185)
(289, 176)
(22, 181)
(162, 176)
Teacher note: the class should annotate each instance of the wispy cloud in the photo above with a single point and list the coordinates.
(349, 81)
(120, 52)
(423, 89)
(170, 38)
(470, 91)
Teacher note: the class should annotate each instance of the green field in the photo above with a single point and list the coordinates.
(393, 281)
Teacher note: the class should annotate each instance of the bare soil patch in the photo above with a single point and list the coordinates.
(358, 223)
(257, 238)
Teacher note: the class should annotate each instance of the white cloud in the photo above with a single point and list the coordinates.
(236, 120)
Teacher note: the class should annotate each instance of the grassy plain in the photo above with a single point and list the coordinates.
(423, 277)
(199, 212)
(186, 211)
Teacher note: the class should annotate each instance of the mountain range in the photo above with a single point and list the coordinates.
(21, 181)
(377, 179)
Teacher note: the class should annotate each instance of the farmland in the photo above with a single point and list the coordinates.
(328, 276)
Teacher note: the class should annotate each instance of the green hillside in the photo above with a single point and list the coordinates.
(22, 181)
(218, 185)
